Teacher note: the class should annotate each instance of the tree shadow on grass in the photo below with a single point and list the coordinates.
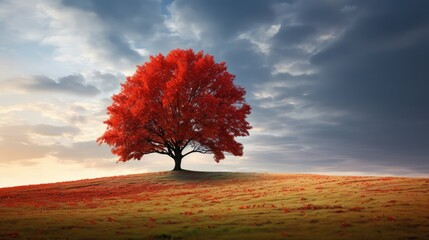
(199, 176)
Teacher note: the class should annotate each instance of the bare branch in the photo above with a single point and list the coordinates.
(186, 144)
(197, 151)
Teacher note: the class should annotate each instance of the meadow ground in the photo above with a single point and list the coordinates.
(215, 205)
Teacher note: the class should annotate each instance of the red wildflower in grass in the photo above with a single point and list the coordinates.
(91, 222)
(152, 219)
(244, 207)
(345, 224)
(356, 209)
(13, 234)
(309, 207)
(110, 219)
(391, 219)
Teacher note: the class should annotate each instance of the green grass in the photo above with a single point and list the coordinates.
(214, 205)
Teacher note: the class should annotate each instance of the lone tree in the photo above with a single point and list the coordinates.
(176, 105)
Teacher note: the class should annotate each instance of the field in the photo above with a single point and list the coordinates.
(214, 205)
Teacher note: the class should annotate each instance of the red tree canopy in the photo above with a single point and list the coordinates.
(176, 105)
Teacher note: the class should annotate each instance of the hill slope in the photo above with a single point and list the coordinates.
(203, 205)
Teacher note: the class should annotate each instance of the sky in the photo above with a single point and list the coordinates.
(336, 87)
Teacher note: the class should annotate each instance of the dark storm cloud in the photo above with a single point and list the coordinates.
(134, 15)
(121, 48)
(126, 20)
(324, 13)
(72, 84)
(377, 71)
(224, 19)
(290, 35)
(245, 63)
(364, 102)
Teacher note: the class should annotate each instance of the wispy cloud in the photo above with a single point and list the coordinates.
(72, 84)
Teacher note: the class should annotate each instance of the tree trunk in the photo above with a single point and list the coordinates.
(177, 163)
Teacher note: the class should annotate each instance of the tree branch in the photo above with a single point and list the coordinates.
(162, 152)
(186, 144)
(197, 151)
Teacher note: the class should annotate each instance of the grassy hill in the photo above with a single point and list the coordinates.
(214, 205)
